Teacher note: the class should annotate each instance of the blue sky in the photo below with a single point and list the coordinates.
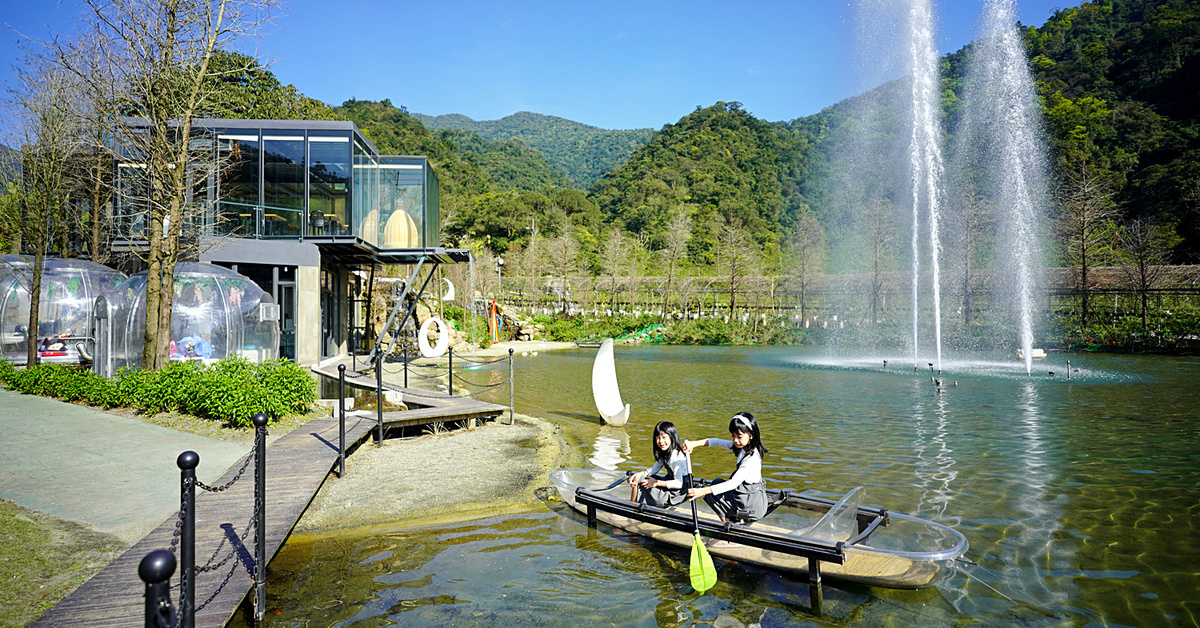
(612, 64)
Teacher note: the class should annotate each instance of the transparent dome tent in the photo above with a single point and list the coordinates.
(69, 290)
(215, 313)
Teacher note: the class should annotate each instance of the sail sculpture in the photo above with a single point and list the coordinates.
(604, 386)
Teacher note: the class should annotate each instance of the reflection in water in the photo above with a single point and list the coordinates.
(1040, 512)
(935, 464)
(611, 447)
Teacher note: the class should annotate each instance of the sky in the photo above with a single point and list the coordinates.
(614, 64)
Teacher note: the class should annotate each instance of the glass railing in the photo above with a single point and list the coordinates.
(243, 220)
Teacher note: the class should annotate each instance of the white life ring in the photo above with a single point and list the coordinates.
(443, 340)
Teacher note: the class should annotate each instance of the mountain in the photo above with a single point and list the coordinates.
(511, 165)
(719, 163)
(584, 153)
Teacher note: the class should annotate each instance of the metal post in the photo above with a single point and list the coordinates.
(814, 585)
(511, 386)
(187, 461)
(406, 364)
(156, 570)
(450, 370)
(379, 397)
(260, 515)
(341, 420)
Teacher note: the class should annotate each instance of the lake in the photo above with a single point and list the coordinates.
(1080, 497)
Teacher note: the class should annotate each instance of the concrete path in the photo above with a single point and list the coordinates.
(115, 474)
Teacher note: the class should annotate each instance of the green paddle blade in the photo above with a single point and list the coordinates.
(702, 572)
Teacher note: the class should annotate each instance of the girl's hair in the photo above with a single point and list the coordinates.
(668, 428)
(744, 422)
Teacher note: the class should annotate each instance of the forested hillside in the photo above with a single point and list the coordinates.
(584, 153)
(510, 165)
(720, 164)
(1120, 81)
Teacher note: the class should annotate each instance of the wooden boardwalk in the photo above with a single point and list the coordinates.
(297, 465)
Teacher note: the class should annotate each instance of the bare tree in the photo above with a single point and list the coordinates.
(881, 230)
(679, 233)
(1144, 248)
(975, 219)
(738, 257)
(1086, 216)
(562, 259)
(48, 129)
(806, 254)
(614, 260)
(97, 104)
(153, 57)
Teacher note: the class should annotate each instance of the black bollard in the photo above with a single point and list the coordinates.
(511, 387)
(379, 397)
(156, 570)
(450, 370)
(406, 365)
(260, 509)
(187, 461)
(341, 420)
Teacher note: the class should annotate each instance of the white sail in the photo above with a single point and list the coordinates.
(604, 386)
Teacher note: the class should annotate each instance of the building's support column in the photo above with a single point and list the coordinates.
(308, 315)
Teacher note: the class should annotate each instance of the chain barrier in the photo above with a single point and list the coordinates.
(410, 393)
(466, 359)
(218, 489)
(422, 376)
(164, 612)
(484, 389)
(179, 521)
(221, 587)
(232, 570)
(232, 548)
(459, 378)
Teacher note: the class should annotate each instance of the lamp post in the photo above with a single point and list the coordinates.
(499, 268)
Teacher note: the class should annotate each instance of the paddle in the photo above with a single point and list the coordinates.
(701, 569)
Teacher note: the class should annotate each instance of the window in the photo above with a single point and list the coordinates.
(283, 185)
(328, 180)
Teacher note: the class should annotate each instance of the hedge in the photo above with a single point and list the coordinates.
(232, 390)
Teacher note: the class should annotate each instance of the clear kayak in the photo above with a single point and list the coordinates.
(872, 546)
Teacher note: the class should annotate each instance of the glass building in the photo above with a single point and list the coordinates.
(320, 181)
(307, 209)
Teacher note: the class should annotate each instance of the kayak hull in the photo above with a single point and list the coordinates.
(909, 553)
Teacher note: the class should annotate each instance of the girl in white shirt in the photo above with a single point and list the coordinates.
(745, 489)
(659, 491)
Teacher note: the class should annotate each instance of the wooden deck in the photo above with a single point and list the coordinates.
(297, 465)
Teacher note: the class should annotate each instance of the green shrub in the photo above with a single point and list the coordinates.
(232, 390)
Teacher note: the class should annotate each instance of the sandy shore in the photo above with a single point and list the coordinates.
(436, 478)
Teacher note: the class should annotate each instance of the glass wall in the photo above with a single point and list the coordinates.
(318, 181)
(402, 202)
(131, 218)
(366, 177)
(283, 184)
(433, 205)
(328, 185)
(237, 207)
